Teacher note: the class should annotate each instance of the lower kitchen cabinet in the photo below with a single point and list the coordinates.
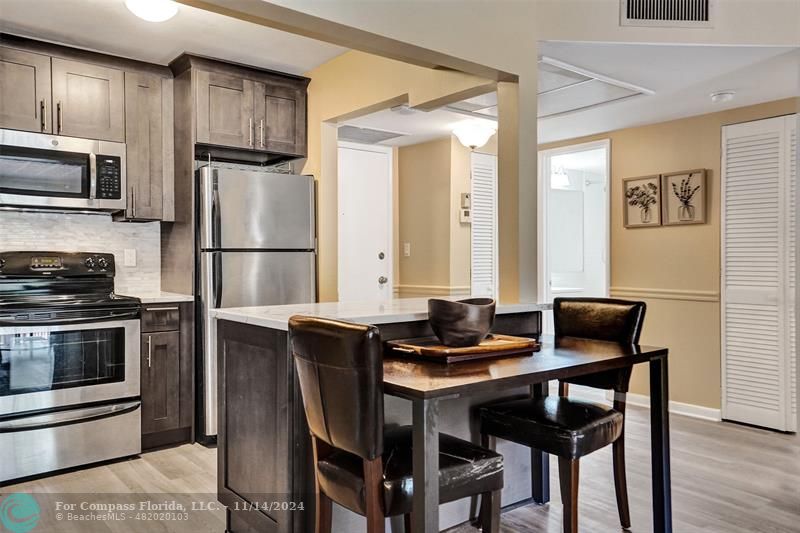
(167, 374)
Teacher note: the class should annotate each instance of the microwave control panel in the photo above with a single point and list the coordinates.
(109, 177)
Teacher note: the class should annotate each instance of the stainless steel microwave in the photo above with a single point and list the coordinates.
(39, 170)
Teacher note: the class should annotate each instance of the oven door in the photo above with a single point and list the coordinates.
(38, 170)
(47, 366)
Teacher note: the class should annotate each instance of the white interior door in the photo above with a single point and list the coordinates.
(365, 222)
(758, 337)
(483, 207)
(574, 222)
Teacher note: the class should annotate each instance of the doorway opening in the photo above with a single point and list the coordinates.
(574, 221)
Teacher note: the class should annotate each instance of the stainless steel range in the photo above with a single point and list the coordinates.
(69, 363)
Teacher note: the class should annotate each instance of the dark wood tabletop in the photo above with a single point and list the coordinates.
(562, 358)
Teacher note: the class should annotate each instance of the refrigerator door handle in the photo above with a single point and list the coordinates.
(216, 280)
(216, 216)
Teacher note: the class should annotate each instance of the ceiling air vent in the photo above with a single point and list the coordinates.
(365, 135)
(667, 13)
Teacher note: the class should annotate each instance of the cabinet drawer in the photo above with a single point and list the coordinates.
(161, 318)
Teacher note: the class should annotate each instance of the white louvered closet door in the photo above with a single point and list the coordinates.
(757, 264)
(483, 203)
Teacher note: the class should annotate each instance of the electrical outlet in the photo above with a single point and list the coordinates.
(406, 249)
(130, 257)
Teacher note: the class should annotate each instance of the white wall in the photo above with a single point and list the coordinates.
(89, 233)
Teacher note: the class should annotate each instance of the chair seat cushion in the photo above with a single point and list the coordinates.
(464, 470)
(559, 426)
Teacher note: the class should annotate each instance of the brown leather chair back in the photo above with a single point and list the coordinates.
(604, 319)
(340, 370)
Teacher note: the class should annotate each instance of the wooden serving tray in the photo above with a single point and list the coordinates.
(432, 349)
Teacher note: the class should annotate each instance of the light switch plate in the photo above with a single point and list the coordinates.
(406, 249)
(130, 257)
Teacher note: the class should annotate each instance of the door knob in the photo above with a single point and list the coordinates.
(383, 280)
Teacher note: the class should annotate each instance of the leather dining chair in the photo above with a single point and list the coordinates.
(358, 463)
(570, 428)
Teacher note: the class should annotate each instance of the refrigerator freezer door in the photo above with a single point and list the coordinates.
(243, 209)
(244, 279)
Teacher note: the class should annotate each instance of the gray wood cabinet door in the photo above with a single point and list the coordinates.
(25, 98)
(89, 100)
(224, 110)
(280, 115)
(148, 136)
(160, 381)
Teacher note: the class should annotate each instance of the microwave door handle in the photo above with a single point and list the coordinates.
(92, 176)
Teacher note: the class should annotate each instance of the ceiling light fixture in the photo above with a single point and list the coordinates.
(152, 10)
(720, 97)
(474, 134)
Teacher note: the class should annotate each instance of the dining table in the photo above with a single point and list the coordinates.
(426, 384)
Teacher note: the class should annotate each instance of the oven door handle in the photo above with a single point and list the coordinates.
(77, 320)
(64, 418)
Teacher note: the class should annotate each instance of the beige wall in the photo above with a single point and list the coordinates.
(357, 83)
(675, 269)
(424, 220)
(431, 178)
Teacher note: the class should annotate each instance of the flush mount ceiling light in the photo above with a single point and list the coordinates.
(474, 134)
(722, 96)
(152, 10)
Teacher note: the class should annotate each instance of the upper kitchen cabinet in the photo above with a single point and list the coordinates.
(25, 99)
(89, 100)
(280, 116)
(149, 140)
(244, 112)
(224, 110)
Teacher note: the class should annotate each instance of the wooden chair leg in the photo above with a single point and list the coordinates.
(373, 478)
(490, 512)
(407, 522)
(620, 479)
(324, 513)
(568, 473)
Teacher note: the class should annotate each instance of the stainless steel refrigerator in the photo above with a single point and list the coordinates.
(256, 246)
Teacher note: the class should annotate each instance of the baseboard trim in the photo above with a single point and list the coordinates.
(678, 408)
(664, 294)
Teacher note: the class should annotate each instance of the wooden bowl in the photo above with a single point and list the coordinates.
(461, 323)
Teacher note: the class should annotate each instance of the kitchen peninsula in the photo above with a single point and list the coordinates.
(264, 450)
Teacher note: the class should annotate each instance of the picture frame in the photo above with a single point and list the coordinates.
(641, 197)
(684, 197)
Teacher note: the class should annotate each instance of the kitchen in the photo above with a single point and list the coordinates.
(152, 213)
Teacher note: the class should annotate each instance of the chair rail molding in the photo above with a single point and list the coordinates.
(665, 294)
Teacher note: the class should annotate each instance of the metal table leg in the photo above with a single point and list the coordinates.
(540, 461)
(659, 443)
(425, 514)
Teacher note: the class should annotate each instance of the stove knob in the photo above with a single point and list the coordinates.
(2, 262)
(102, 263)
(89, 262)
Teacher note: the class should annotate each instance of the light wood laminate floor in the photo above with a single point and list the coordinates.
(725, 479)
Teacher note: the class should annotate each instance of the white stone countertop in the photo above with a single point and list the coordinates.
(392, 311)
(161, 297)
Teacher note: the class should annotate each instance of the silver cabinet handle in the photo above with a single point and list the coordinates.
(161, 308)
(383, 280)
(133, 202)
(250, 121)
(149, 350)
(59, 118)
(262, 132)
(43, 111)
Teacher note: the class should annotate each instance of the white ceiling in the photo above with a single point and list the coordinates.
(417, 127)
(682, 77)
(108, 26)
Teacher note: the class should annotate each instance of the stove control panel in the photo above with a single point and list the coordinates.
(55, 264)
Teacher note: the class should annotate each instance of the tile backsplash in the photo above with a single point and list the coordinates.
(89, 233)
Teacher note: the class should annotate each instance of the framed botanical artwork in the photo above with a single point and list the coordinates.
(642, 201)
(684, 197)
